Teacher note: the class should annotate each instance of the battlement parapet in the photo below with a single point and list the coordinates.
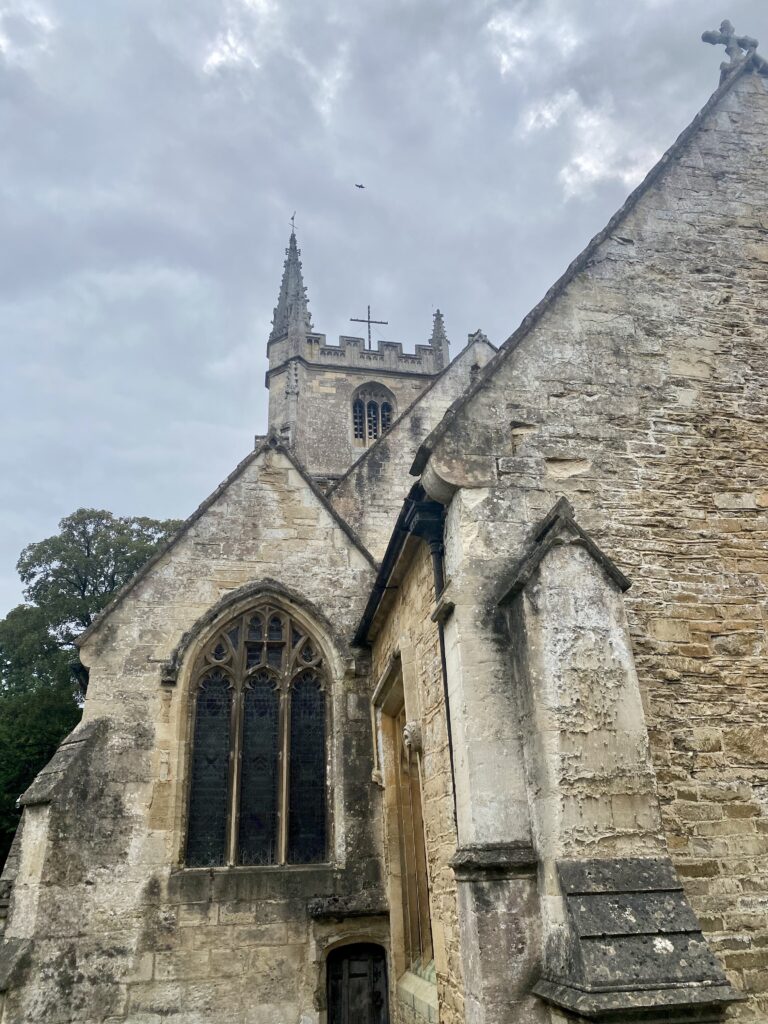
(352, 352)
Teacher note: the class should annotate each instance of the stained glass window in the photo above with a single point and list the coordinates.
(207, 840)
(259, 703)
(306, 800)
(275, 628)
(257, 839)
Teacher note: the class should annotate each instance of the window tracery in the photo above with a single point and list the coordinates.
(258, 761)
(373, 411)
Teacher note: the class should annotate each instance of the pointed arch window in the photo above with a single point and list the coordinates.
(258, 792)
(373, 411)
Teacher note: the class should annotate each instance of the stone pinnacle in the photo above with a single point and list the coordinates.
(291, 311)
(438, 338)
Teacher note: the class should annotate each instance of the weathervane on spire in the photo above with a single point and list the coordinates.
(738, 48)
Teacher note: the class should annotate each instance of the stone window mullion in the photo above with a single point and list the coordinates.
(283, 767)
(235, 772)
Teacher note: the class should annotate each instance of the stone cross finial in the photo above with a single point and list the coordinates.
(738, 48)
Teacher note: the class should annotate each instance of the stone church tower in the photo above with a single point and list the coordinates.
(327, 402)
(450, 703)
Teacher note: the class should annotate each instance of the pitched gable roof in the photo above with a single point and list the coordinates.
(579, 264)
(559, 527)
(271, 442)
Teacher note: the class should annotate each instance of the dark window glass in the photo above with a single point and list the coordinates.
(275, 628)
(358, 419)
(207, 834)
(257, 840)
(306, 798)
(386, 416)
(253, 655)
(275, 656)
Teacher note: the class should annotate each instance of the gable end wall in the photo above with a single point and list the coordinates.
(640, 395)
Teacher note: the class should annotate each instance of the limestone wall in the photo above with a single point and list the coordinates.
(121, 931)
(371, 493)
(320, 410)
(410, 633)
(640, 394)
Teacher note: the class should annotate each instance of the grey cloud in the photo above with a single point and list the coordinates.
(153, 154)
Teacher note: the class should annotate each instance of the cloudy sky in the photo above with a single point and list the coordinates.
(153, 152)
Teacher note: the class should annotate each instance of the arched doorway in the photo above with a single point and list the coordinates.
(357, 985)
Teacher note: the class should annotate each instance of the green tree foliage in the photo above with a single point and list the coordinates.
(68, 579)
(73, 575)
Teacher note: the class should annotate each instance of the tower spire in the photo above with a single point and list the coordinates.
(291, 311)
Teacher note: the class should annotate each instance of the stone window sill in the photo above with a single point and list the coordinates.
(242, 868)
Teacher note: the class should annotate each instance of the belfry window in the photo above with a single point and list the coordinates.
(373, 411)
(373, 420)
(358, 419)
(258, 762)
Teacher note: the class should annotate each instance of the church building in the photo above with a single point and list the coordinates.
(450, 704)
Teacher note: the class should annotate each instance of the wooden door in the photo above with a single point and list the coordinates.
(357, 985)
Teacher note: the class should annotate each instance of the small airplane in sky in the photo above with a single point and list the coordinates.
(359, 186)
